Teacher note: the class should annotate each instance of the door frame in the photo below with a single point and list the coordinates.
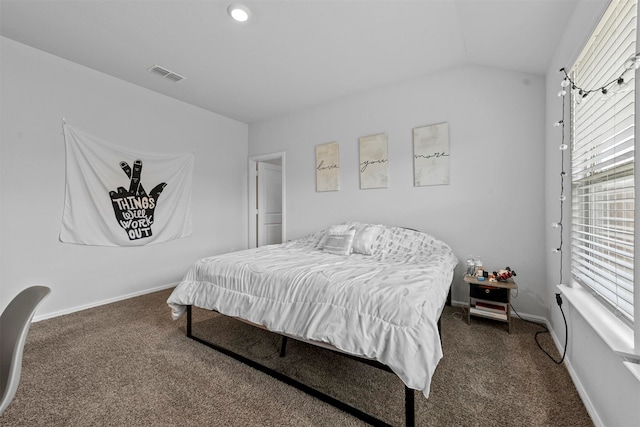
(251, 179)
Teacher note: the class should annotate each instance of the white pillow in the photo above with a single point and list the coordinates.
(340, 228)
(339, 243)
(335, 229)
(365, 238)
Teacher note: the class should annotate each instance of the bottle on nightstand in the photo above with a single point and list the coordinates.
(479, 267)
(471, 266)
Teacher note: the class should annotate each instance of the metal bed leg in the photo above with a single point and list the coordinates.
(189, 322)
(409, 407)
(283, 346)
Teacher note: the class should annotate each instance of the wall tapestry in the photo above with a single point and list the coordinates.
(327, 167)
(431, 155)
(115, 196)
(374, 161)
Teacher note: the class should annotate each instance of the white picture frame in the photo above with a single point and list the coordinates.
(374, 161)
(327, 167)
(431, 155)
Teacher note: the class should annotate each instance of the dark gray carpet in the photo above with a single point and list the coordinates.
(129, 364)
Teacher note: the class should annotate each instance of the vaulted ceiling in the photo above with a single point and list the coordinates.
(291, 54)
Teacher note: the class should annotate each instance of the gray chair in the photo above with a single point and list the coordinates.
(14, 327)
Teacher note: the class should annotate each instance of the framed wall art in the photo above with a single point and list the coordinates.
(374, 161)
(431, 155)
(327, 167)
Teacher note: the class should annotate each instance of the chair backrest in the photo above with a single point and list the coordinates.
(14, 326)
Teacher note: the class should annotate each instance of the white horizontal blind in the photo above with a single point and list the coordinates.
(602, 161)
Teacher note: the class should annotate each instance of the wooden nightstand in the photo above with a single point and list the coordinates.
(491, 300)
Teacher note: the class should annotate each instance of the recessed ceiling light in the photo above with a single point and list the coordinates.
(239, 12)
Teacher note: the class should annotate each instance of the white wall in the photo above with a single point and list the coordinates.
(38, 90)
(609, 390)
(494, 205)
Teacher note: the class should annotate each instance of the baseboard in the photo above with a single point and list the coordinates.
(103, 302)
(459, 304)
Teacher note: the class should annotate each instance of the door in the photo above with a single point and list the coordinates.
(269, 216)
(267, 199)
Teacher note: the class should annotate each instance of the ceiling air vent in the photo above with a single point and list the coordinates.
(163, 72)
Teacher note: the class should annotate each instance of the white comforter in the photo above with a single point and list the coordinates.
(383, 307)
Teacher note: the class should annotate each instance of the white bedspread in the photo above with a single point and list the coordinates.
(383, 307)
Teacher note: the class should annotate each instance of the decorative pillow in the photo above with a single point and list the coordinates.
(365, 238)
(339, 243)
(335, 229)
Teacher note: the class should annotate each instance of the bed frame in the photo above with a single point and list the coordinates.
(409, 399)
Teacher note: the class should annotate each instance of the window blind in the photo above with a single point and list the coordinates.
(602, 161)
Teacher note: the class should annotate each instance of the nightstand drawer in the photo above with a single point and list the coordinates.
(489, 293)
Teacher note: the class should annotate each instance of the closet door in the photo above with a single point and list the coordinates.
(269, 215)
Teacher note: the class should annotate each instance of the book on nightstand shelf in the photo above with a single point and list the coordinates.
(487, 313)
(493, 308)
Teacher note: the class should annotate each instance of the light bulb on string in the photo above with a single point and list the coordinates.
(556, 250)
(633, 62)
(558, 123)
(621, 86)
(563, 147)
(580, 95)
(562, 93)
(562, 198)
(565, 82)
(556, 225)
(605, 94)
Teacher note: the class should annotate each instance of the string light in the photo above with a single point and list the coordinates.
(580, 94)
(566, 82)
(616, 85)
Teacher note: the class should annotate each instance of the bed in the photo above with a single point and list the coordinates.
(369, 291)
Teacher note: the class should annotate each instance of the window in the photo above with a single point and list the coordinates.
(602, 160)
